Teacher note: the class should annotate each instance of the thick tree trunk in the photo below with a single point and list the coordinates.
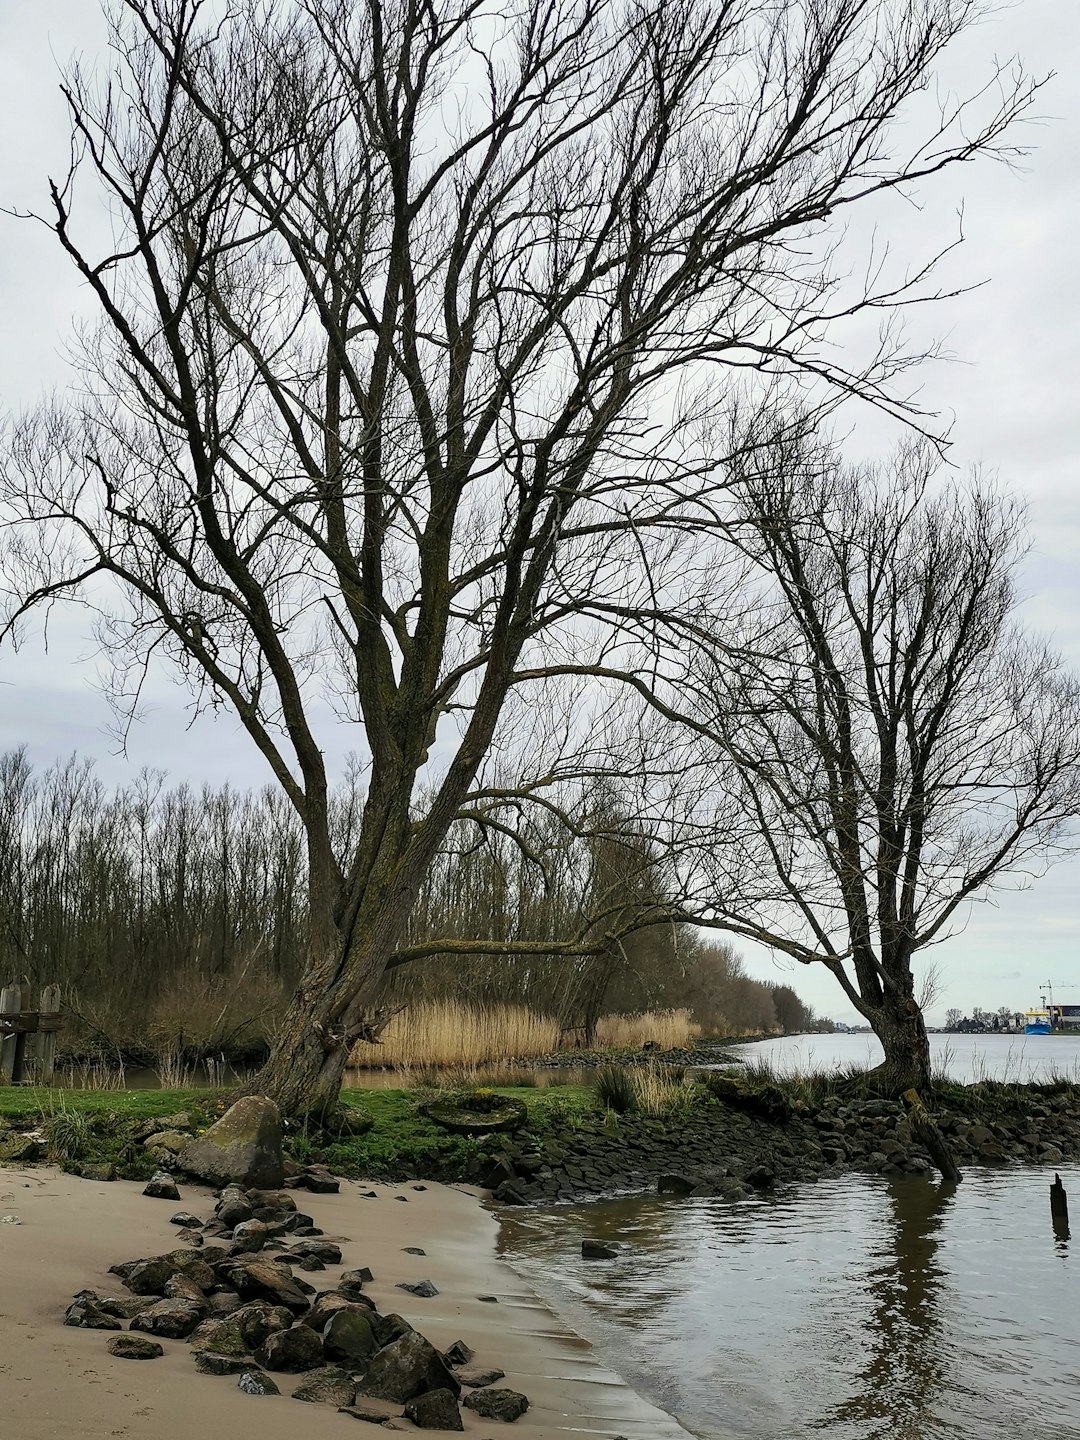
(898, 1024)
(306, 1066)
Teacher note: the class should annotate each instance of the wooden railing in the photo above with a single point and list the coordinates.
(28, 1035)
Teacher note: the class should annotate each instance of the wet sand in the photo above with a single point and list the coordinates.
(56, 1380)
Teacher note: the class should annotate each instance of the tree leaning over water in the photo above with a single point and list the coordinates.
(877, 739)
(408, 320)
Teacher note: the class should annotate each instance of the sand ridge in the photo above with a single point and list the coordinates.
(57, 1381)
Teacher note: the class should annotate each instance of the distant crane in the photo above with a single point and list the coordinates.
(1046, 991)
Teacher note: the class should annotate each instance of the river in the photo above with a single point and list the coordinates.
(967, 1058)
(858, 1308)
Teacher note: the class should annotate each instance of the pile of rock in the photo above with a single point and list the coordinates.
(235, 1292)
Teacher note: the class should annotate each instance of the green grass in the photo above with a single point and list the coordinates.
(99, 1126)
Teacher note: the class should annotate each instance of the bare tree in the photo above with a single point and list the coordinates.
(409, 316)
(953, 1017)
(881, 741)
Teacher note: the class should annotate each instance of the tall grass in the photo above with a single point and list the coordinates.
(450, 1033)
(670, 1029)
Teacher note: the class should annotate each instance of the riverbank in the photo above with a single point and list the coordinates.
(59, 1380)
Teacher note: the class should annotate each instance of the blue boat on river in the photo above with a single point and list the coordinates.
(1037, 1022)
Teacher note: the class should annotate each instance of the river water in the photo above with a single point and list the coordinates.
(966, 1058)
(858, 1308)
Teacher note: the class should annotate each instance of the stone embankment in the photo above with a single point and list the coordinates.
(705, 1053)
(723, 1150)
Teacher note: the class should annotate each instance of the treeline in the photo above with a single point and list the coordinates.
(176, 915)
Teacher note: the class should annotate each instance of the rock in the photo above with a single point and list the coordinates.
(598, 1250)
(233, 1208)
(762, 1178)
(351, 1283)
(327, 1387)
(133, 1347)
(250, 1236)
(174, 1319)
(424, 1288)
(329, 1303)
(15, 1149)
(505, 1405)
(185, 1218)
(244, 1146)
(207, 1363)
(145, 1277)
(254, 1382)
(370, 1413)
(195, 1265)
(298, 1348)
(435, 1410)
(318, 1182)
(223, 1303)
(501, 1173)
(170, 1142)
(85, 1315)
(97, 1171)
(325, 1250)
(459, 1353)
(476, 1377)
(508, 1194)
(161, 1186)
(348, 1335)
(407, 1367)
(242, 1331)
(182, 1287)
(125, 1307)
(675, 1185)
(389, 1327)
(269, 1199)
(412, 1250)
(257, 1278)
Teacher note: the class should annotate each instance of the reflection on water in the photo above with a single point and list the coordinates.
(856, 1309)
(966, 1058)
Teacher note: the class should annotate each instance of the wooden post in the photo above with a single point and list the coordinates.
(1059, 1208)
(930, 1137)
(49, 1007)
(10, 1004)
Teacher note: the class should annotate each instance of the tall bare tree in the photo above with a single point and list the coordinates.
(409, 314)
(875, 742)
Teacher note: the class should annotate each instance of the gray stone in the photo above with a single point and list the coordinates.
(407, 1367)
(352, 1282)
(244, 1146)
(505, 1405)
(254, 1382)
(459, 1353)
(233, 1208)
(347, 1335)
(435, 1410)
(146, 1277)
(207, 1363)
(331, 1386)
(257, 1278)
(85, 1315)
(161, 1186)
(133, 1347)
(598, 1250)
(476, 1377)
(325, 1250)
(174, 1319)
(298, 1348)
(185, 1218)
(424, 1288)
(182, 1287)
(250, 1236)
(170, 1142)
(97, 1170)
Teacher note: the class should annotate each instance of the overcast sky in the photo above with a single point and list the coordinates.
(1012, 392)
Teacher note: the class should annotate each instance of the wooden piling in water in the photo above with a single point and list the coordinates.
(1059, 1208)
(930, 1137)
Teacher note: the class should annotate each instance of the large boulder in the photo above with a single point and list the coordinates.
(171, 1319)
(257, 1278)
(244, 1147)
(408, 1367)
(504, 1405)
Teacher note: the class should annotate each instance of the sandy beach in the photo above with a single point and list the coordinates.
(59, 1381)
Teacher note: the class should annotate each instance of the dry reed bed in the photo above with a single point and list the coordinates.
(448, 1033)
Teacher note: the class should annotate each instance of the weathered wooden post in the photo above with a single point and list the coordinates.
(1059, 1208)
(48, 1024)
(930, 1137)
(10, 1004)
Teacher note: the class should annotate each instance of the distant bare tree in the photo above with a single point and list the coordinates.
(876, 739)
(953, 1017)
(410, 316)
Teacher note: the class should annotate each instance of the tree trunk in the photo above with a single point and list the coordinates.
(306, 1065)
(898, 1024)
